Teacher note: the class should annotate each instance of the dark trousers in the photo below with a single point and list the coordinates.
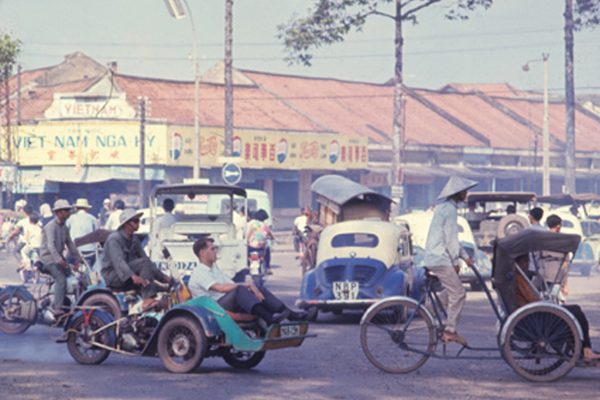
(147, 270)
(583, 322)
(60, 283)
(241, 299)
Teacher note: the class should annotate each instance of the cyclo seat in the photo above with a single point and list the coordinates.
(436, 285)
(241, 317)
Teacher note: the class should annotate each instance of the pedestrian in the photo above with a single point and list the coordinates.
(113, 220)
(80, 224)
(443, 251)
(55, 240)
(104, 213)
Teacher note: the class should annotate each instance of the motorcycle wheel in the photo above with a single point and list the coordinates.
(9, 324)
(105, 301)
(245, 359)
(78, 341)
(181, 345)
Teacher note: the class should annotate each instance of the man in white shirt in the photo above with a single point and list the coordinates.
(80, 224)
(208, 280)
(443, 250)
(112, 224)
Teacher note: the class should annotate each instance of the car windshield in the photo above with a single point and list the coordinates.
(590, 228)
(355, 240)
(199, 207)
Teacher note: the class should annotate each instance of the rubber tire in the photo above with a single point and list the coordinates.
(405, 305)
(193, 328)
(81, 358)
(12, 328)
(108, 303)
(546, 377)
(512, 221)
(232, 359)
(313, 313)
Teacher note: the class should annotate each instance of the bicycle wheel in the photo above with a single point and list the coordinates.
(397, 335)
(542, 343)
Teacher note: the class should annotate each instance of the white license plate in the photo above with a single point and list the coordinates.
(345, 290)
(289, 330)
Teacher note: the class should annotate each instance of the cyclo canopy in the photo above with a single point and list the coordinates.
(506, 250)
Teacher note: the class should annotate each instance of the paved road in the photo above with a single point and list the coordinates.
(330, 366)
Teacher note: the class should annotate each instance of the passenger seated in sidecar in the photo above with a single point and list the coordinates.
(125, 265)
(208, 280)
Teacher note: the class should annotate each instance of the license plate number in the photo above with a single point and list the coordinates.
(289, 330)
(345, 290)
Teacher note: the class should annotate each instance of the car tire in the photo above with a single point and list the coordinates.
(586, 271)
(511, 224)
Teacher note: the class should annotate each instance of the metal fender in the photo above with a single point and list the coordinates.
(204, 317)
(537, 304)
(416, 288)
(95, 290)
(105, 317)
(394, 282)
(12, 289)
(309, 282)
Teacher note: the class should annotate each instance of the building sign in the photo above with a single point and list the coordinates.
(88, 143)
(280, 150)
(86, 106)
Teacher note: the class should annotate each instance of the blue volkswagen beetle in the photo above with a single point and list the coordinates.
(358, 263)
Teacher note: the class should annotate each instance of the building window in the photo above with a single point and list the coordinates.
(285, 194)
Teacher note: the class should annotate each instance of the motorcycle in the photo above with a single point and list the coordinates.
(22, 306)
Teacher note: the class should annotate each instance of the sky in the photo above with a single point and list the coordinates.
(489, 47)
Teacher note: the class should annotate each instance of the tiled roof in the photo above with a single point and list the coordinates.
(253, 107)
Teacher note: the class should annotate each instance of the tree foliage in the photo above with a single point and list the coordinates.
(328, 21)
(9, 51)
(587, 14)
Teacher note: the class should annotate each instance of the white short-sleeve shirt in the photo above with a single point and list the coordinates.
(203, 277)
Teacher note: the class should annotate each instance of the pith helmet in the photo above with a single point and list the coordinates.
(456, 185)
(61, 204)
(127, 215)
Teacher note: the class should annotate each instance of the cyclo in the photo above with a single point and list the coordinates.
(541, 341)
(182, 336)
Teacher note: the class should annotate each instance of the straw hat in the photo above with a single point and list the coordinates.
(82, 203)
(61, 204)
(127, 215)
(456, 185)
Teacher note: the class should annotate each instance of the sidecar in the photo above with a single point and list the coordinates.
(182, 337)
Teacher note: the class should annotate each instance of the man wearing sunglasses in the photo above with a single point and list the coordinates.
(208, 280)
(125, 265)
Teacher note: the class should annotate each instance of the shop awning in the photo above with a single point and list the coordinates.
(31, 181)
(93, 174)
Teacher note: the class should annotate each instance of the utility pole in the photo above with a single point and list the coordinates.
(228, 135)
(546, 187)
(7, 114)
(395, 176)
(142, 187)
(570, 99)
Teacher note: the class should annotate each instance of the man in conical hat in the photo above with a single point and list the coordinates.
(443, 251)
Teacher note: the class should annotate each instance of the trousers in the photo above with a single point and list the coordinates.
(242, 299)
(455, 291)
(147, 270)
(60, 283)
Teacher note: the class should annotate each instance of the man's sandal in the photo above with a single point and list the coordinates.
(449, 336)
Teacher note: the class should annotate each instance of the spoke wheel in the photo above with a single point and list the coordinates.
(13, 309)
(542, 344)
(244, 359)
(79, 341)
(181, 345)
(397, 336)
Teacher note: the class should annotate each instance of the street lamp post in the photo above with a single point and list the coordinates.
(545, 128)
(178, 10)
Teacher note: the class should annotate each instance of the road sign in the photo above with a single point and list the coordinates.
(231, 173)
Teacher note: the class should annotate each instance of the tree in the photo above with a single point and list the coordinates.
(329, 21)
(9, 50)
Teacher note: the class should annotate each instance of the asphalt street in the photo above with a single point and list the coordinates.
(330, 366)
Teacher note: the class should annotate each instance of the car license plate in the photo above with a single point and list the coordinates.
(345, 290)
(289, 330)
